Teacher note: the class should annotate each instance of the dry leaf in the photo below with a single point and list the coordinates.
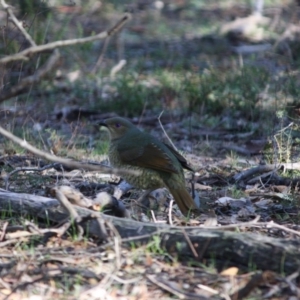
(230, 271)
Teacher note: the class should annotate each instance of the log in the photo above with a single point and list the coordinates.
(189, 244)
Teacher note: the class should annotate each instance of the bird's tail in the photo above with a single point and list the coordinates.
(184, 200)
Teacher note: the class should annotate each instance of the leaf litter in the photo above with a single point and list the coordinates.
(42, 258)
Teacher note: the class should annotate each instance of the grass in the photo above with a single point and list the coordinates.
(208, 94)
(193, 85)
(235, 193)
(154, 246)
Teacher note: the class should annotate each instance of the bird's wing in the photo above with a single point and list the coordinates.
(180, 158)
(148, 156)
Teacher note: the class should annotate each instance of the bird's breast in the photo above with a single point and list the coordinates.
(147, 178)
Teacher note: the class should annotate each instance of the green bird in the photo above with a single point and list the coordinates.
(159, 164)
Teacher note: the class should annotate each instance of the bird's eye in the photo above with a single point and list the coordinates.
(118, 125)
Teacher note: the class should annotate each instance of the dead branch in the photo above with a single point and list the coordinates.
(233, 248)
(175, 290)
(249, 173)
(117, 68)
(53, 59)
(101, 56)
(64, 202)
(66, 162)
(23, 55)
(18, 23)
(30, 80)
(75, 218)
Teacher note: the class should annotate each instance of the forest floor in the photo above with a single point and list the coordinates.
(219, 83)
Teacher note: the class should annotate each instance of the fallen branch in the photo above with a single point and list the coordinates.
(224, 247)
(253, 171)
(66, 162)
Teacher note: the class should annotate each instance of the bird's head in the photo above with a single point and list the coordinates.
(117, 127)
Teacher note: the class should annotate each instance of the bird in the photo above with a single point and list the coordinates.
(159, 165)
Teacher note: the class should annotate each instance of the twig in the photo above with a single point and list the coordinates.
(23, 55)
(102, 232)
(285, 128)
(67, 205)
(259, 169)
(126, 281)
(174, 288)
(141, 237)
(162, 285)
(153, 216)
(3, 231)
(5, 284)
(6, 178)
(170, 141)
(7, 242)
(256, 224)
(101, 56)
(270, 174)
(190, 243)
(34, 230)
(18, 23)
(117, 247)
(266, 168)
(290, 31)
(117, 68)
(271, 224)
(170, 212)
(291, 280)
(75, 217)
(238, 149)
(30, 80)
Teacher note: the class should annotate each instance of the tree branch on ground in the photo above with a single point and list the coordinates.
(265, 168)
(66, 162)
(210, 244)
